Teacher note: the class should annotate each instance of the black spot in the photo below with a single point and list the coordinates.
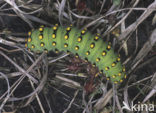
(101, 71)
(86, 59)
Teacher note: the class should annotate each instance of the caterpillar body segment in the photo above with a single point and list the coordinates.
(83, 44)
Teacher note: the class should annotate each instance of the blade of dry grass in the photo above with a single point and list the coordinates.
(101, 103)
(145, 50)
(151, 8)
(8, 91)
(19, 68)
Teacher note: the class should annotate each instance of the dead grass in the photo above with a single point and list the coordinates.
(48, 84)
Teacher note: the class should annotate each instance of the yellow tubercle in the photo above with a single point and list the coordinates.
(76, 56)
(108, 46)
(68, 29)
(96, 38)
(56, 51)
(54, 28)
(42, 26)
(123, 69)
(40, 29)
(106, 68)
(86, 60)
(83, 31)
(113, 64)
(92, 46)
(108, 79)
(115, 82)
(97, 74)
(29, 33)
(32, 46)
(79, 39)
(119, 74)
(26, 40)
(65, 45)
(66, 37)
(118, 59)
(40, 37)
(42, 44)
(103, 53)
(121, 81)
(97, 59)
(87, 53)
(113, 76)
(53, 36)
(97, 34)
(54, 44)
(29, 39)
(76, 48)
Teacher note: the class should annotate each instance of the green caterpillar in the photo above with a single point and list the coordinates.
(82, 43)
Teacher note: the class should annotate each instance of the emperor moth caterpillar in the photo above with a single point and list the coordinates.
(89, 47)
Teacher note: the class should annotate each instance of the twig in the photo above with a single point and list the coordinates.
(19, 68)
(8, 91)
(69, 106)
(133, 26)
